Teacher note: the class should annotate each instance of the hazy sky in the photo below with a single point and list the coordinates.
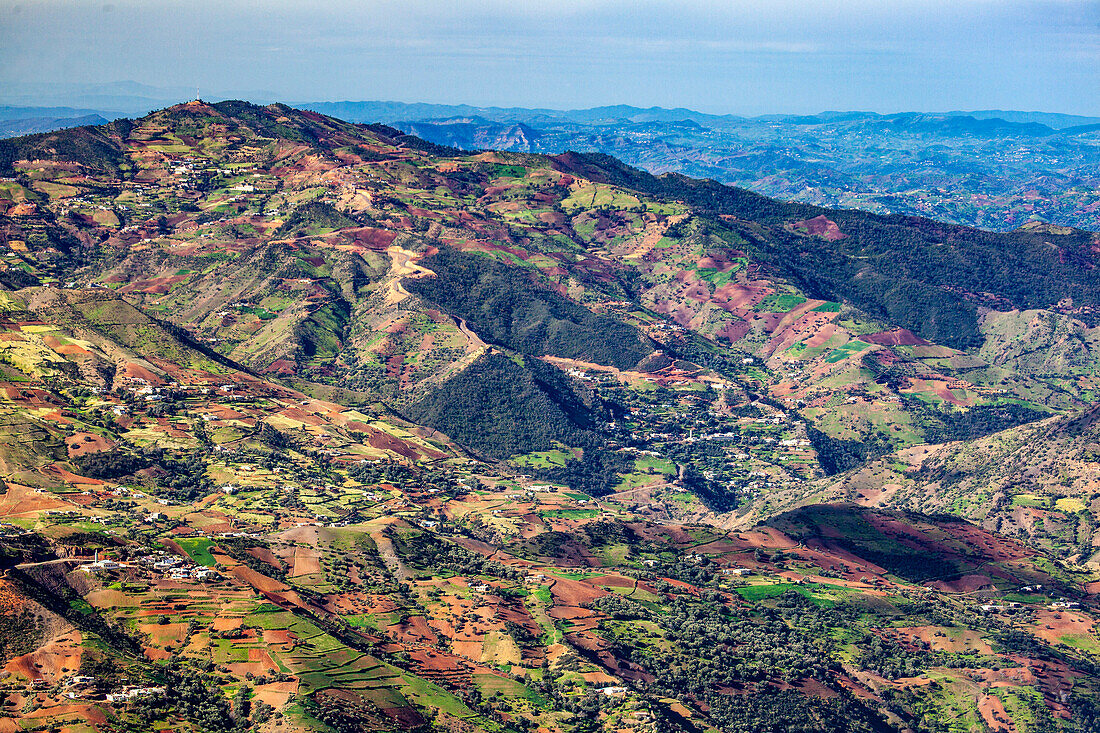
(749, 56)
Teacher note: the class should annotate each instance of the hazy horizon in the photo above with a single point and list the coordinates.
(98, 96)
(752, 58)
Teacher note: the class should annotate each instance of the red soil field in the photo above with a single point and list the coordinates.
(21, 499)
(819, 226)
(896, 337)
(136, 371)
(81, 444)
(613, 581)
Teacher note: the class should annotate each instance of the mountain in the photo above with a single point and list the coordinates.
(16, 113)
(394, 112)
(1050, 119)
(313, 425)
(307, 248)
(391, 112)
(113, 99)
(994, 169)
(477, 133)
(991, 169)
(1036, 482)
(30, 125)
(16, 121)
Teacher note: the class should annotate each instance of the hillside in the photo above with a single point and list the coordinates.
(1039, 482)
(505, 607)
(993, 169)
(335, 255)
(314, 426)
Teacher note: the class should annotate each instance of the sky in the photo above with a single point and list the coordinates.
(719, 56)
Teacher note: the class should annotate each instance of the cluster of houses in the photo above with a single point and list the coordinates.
(174, 568)
(130, 694)
(996, 607)
(1059, 605)
(170, 566)
(141, 388)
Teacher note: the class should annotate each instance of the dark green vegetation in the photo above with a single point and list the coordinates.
(508, 306)
(853, 533)
(716, 650)
(196, 698)
(20, 633)
(502, 405)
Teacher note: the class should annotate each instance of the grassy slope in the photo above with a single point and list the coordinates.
(915, 272)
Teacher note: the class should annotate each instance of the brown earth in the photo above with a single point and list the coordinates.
(81, 444)
(19, 499)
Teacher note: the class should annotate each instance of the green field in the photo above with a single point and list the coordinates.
(571, 513)
(542, 459)
(760, 592)
(843, 352)
(491, 683)
(715, 277)
(597, 195)
(655, 464)
(1034, 501)
(198, 549)
(780, 303)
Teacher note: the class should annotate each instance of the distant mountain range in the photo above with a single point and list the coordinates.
(391, 112)
(15, 121)
(994, 169)
(991, 169)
